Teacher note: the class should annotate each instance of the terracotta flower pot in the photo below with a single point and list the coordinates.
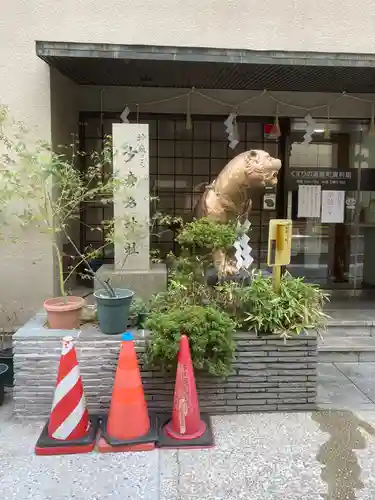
(64, 314)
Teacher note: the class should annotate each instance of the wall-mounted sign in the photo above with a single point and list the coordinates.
(269, 201)
(331, 178)
(333, 207)
(309, 201)
(327, 178)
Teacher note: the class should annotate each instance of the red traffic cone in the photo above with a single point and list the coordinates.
(69, 429)
(128, 426)
(187, 428)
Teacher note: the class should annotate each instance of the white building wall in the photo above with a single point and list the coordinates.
(26, 270)
(323, 25)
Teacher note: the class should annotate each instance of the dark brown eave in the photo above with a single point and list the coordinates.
(186, 67)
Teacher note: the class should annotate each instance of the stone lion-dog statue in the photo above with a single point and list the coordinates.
(227, 198)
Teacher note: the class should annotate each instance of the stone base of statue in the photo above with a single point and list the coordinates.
(145, 283)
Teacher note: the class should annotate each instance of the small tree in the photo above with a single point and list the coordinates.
(45, 189)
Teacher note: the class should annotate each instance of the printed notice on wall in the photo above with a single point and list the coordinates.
(333, 207)
(309, 198)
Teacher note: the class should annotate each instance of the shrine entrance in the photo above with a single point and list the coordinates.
(327, 183)
(326, 186)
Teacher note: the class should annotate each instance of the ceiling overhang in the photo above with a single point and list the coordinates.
(187, 67)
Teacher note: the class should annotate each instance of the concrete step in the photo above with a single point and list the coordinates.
(349, 328)
(347, 321)
(346, 349)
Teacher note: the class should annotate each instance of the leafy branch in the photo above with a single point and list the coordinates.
(45, 190)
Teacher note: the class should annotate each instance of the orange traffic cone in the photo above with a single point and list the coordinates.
(69, 429)
(128, 426)
(187, 428)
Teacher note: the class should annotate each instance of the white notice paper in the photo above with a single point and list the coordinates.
(309, 198)
(333, 207)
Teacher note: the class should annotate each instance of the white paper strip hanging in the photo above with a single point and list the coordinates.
(124, 115)
(309, 129)
(232, 130)
(243, 249)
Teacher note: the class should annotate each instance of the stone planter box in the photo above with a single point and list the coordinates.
(268, 374)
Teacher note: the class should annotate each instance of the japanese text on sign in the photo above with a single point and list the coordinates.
(325, 177)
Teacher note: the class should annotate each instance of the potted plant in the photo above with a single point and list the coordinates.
(113, 308)
(52, 190)
(112, 304)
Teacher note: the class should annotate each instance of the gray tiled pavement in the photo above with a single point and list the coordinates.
(24, 476)
(327, 454)
(346, 386)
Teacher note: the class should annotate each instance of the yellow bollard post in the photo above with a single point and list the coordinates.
(276, 278)
(279, 248)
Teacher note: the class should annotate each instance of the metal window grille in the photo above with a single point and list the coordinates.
(180, 160)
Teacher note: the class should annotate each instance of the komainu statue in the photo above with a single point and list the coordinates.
(227, 198)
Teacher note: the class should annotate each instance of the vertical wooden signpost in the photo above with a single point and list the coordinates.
(279, 248)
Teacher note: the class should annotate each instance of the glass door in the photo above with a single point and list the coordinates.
(364, 219)
(325, 199)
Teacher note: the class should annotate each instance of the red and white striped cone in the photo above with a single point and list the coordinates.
(69, 429)
(69, 417)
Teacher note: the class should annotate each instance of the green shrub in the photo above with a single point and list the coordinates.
(297, 308)
(138, 312)
(235, 299)
(180, 294)
(207, 234)
(210, 315)
(210, 335)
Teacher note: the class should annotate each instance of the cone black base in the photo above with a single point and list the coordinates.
(150, 437)
(49, 446)
(207, 440)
